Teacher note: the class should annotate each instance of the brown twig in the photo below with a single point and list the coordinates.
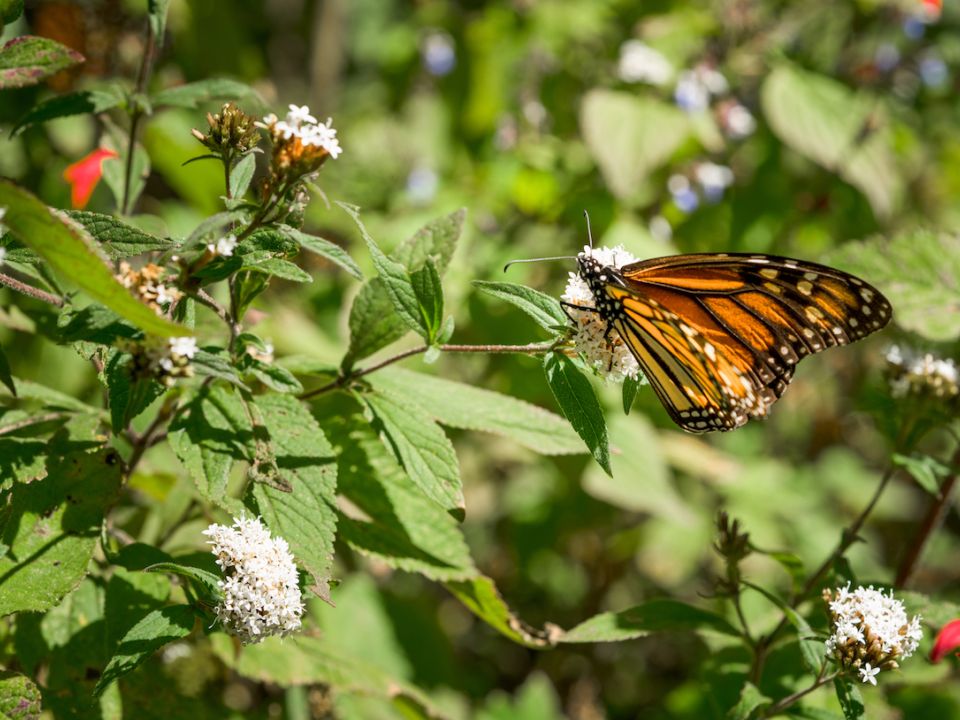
(142, 76)
(789, 700)
(529, 349)
(931, 521)
(30, 290)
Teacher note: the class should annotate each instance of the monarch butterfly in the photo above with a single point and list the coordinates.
(718, 335)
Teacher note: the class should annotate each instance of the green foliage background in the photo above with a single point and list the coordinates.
(850, 164)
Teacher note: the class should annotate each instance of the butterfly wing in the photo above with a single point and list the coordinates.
(719, 335)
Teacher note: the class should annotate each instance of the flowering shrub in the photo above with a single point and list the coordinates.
(278, 437)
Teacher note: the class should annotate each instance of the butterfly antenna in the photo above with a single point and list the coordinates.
(530, 260)
(589, 233)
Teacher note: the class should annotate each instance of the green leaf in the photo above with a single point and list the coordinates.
(28, 60)
(463, 406)
(751, 700)
(157, 629)
(277, 267)
(630, 136)
(812, 651)
(385, 515)
(129, 396)
(51, 527)
(115, 173)
(118, 239)
(827, 122)
(630, 388)
(306, 516)
(422, 448)
(661, 615)
(192, 95)
(10, 10)
(394, 278)
(209, 435)
(19, 697)
(275, 377)
(94, 323)
(927, 471)
(579, 404)
(216, 363)
(302, 660)
(429, 293)
(536, 699)
(5, 377)
(129, 597)
(481, 597)
(851, 701)
(157, 10)
(202, 581)
(50, 398)
(918, 272)
(544, 309)
(70, 250)
(373, 324)
(85, 102)
(242, 175)
(324, 248)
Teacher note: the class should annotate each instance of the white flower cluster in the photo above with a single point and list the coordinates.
(641, 63)
(913, 373)
(606, 353)
(261, 596)
(871, 631)
(224, 246)
(299, 123)
(180, 351)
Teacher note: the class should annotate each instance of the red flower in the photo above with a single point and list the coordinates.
(933, 8)
(947, 640)
(84, 175)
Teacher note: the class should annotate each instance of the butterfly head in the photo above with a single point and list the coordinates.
(598, 277)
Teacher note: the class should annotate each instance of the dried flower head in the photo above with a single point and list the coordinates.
(922, 375)
(871, 631)
(231, 131)
(300, 143)
(261, 595)
(605, 352)
(146, 284)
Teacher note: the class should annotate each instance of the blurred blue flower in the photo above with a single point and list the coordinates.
(934, 71)
(439, 53)
(422, 184)
(684, 196)
(691, 94)
(714, 179)
(914, 27)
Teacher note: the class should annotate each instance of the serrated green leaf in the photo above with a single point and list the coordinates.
(850, 699)
(422, 448)
(275, 377)
(751, 700)
(661, 615)
(324, 248)
(51, 527)
(305, 517)
(203, 581)
(579, 404)
(118, 239)
(129, 396)
(470, 408)
(79, 103)
(216, 363)
(481, 596)
(302, 660)
(385, 515)
(630, 136)
(94, 323)
(28, 60)
(822, 119)
(192, 95)
(545, 310)
(209, 435)
(277, 267)
(918, 272)
(19, 697)
(373, 324)
(429, 293)
(70, 250)
(157, 629)
(242, 175)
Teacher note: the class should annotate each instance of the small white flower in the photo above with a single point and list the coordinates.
(224, 246)
(324, 136)
(868, 674)
(607, 353)
(641, 63)
(714, 179)
(739, 122)
(165, 296)
(261, 594)
(183, 346)
(300, 115)
(918, 374)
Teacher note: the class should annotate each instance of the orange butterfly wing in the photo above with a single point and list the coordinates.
(719, 335)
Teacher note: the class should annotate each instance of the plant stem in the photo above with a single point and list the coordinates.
(932, 520)
(343, 380)
(143, 75)
(141, 443)
(204, 298)
(789, 700)
(30, 290)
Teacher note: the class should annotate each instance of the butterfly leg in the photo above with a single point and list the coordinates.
(564, 304)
